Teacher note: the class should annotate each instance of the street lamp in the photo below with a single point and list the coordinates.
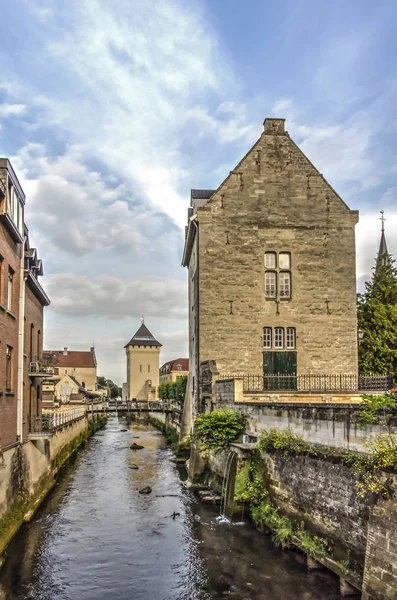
(360, 335)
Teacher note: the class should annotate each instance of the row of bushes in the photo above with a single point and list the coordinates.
(173, 390)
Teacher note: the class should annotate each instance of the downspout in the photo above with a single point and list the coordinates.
(197, 300)
(21, 340)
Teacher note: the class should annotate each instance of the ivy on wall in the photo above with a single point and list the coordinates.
(369, 468)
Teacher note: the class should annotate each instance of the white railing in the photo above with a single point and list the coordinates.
(50, 421)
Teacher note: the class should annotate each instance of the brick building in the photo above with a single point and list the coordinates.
(271, 261)
(174, 369)
(22, 300)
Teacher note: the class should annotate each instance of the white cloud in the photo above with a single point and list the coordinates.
(115, 297)
(140, 75)
(11, 110)
(341, 151)
(74, 209)
(368, 233)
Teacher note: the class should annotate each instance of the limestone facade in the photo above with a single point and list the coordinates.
(143, 362)
(273, 247)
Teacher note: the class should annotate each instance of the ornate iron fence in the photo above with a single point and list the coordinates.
(343, 382)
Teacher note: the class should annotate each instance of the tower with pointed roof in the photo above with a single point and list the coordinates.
(383, 257)
(143, 362)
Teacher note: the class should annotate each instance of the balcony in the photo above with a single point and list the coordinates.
(41, 366)
(51, 421)
(38, 369)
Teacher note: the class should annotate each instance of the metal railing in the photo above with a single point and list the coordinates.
(50, 421)
(343, 382)
(41, 364)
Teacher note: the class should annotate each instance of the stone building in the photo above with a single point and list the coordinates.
(271, 268)
(143, 361)
(174, 369)
(73, 369)
(22, 300)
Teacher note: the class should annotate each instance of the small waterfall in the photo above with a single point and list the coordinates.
(228, 483)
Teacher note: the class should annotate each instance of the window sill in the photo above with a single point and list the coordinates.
(11, 314)
(8, 393)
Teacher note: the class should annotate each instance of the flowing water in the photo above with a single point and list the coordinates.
(97, 538)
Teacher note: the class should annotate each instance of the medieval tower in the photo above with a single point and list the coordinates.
(143, 363)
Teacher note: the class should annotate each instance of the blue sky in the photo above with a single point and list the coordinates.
(111, 112)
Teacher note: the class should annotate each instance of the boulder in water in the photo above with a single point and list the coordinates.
(146, 490)
(135, 446)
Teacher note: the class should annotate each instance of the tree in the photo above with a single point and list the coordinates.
(377, 321)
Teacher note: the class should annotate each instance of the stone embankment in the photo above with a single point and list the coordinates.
(315, 498)
(28, 471)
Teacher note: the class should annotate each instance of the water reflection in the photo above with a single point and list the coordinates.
(97, 538)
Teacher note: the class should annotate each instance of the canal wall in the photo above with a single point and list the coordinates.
(334, 425)
(321, 495)
(28, 471)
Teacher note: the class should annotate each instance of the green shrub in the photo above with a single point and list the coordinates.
(218, 429)
(286, 441)
(374, 409)
(313, 545)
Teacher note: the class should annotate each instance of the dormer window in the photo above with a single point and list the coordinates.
(179, 367)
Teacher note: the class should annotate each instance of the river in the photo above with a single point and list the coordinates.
(97, 538)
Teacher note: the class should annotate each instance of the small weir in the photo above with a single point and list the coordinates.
(98, 538)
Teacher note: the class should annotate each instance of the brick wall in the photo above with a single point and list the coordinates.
(33, 348)
(10, 253)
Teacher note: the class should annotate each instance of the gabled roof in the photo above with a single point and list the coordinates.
(72, 358)
(172, 365)
(143, 337)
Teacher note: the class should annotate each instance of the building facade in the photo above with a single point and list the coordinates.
(143, 361)
(75, 376)
(22, 301)
(271, 267)
(174, 369)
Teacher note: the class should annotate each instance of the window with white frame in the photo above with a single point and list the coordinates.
(270, 260)
(270, 284)
(285, 284)
(291, 338)
(277, 275)
(284, 260)
(279, 337)
(267, 337)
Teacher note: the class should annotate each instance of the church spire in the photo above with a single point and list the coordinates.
(383, 254)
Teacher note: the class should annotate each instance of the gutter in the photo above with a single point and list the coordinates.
(197, 300)
(21, 339)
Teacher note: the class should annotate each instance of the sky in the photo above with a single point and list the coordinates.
(110, 112)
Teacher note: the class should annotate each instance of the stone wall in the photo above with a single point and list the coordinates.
(275, 200)
(330, 425)
(380, 573)
(24, 467)
(322, 493)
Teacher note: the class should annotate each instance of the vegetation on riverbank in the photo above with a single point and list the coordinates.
(218, 429)
(251, 491)
(377, 409)
(24, 506)
(369, 468)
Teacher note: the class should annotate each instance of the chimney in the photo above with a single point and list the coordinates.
(273, 126)
(65, 351)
